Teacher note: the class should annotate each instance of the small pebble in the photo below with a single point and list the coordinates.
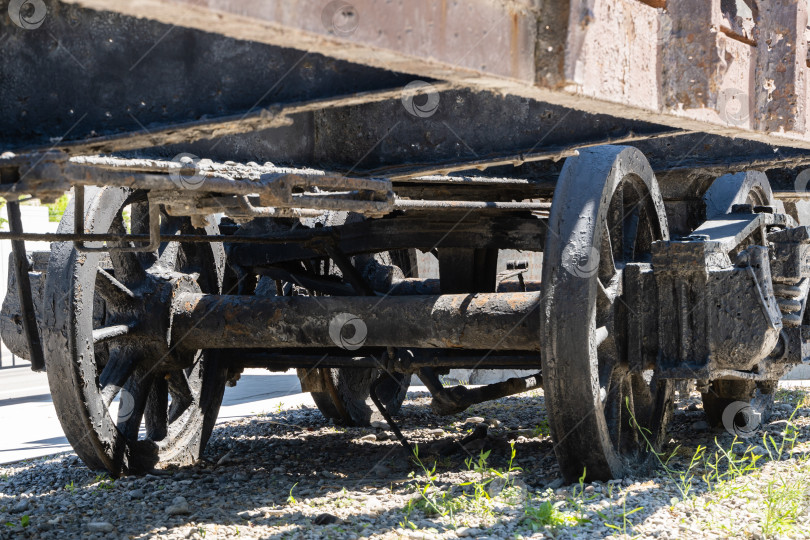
(225, 458)
(325, 519)
(100, 526)
(700, 425)
(554, 484)
(178, 507)
(381, 470)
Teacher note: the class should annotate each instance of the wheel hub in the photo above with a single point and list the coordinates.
(153, 308)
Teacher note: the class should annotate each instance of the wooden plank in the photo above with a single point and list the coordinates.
(612, 52)
(474, 36)
(781, 69)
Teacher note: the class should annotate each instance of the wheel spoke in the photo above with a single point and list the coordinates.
(606, 295)
(118, 369)
(182, 396)
(107, 333)
(139, 221)
(600, 336)
(168, 255)
(133, 403)
(139, 217)
(629, 233)
(628, 435)
(156, 415)
(112, 290)
(169, 251)
(619, 391)
(612, 288)
(643, 390)
(607, 265)
(605, 372)
(128, 267)
(646, 232)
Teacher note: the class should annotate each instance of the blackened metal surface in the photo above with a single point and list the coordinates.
(499, 321)
(21, 266)
(85, 73)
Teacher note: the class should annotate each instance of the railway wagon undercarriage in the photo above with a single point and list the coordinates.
(610, 194)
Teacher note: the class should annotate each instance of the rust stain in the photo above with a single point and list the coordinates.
(659, 4)
(514, 301)
(456, 302)
(737, 37)
(514, 45)
(277, 314)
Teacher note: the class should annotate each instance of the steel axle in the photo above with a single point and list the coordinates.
(495, 321)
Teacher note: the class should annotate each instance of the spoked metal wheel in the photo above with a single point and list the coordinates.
(750, 187)
(606, 213)
(347, 398)
(106, 342)
(346, 392)
(350, 403)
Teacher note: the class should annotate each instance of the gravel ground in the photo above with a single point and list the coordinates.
(292, 474)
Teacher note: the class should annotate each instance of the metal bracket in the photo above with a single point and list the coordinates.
(326, 378)
(27, 312)
(78, 228)
(390, 421)
(456, 399)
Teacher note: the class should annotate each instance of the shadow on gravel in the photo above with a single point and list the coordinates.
(291, 473)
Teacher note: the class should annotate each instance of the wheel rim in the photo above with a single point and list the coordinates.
(606, 213)
(103, 342)
(750, 187)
